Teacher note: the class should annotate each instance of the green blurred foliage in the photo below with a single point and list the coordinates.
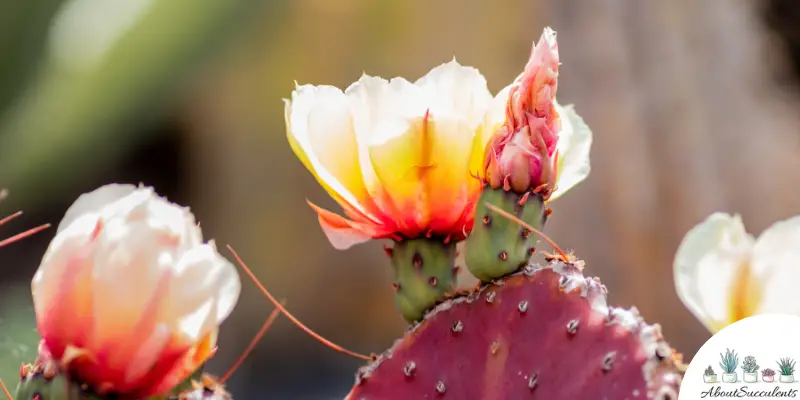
(109, 63)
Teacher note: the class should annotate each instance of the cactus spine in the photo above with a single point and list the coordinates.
(498, 246)
(423, 271)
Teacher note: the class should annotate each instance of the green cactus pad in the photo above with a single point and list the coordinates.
(423, 274)
(543, 333)
(497, 246)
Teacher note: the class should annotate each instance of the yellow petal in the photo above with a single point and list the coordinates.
(383, 111)
(776, 269)
(574, 144)
(321, 133)
(458, 97)
(709, 266)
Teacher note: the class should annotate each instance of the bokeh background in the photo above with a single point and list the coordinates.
(694, 107)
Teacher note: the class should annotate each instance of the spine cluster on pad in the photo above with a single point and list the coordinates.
(545, 330)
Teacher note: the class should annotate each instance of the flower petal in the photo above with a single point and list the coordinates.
(458, 97)
(208, 286)
(95, 200)
(574, 144)
(709, 265)
(493, 119)
(341, 232)
(389, 121)
(321, 133)
(457, 91)
(776, 269)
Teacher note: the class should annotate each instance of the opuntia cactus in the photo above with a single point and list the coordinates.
(522, 168)
(544, 330)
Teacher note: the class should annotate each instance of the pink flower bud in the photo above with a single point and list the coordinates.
(521, 155)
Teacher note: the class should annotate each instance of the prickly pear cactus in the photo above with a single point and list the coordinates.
(544, 331)
(498, 246)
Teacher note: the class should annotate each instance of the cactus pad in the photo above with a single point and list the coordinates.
(497, 246)
(544, 332)
(424, 274)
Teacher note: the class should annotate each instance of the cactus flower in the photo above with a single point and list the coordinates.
(392, 153)
(724, 274)
(395, 155)
(128, 298)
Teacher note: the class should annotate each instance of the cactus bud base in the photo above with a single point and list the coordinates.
(423, 273)
(47, 381)
(544, 332)
(496, 246)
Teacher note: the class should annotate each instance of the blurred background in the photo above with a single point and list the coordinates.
(693, 104)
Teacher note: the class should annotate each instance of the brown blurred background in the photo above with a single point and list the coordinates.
(693, 104)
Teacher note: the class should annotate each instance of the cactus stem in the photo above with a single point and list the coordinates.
(530, 228)
(272, 316)
(5, 390)
(289, 315)
(423, 270)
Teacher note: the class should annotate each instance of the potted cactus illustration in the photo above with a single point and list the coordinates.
(786, 366)
(728, 362)
(750, 368)
(768, 375)
(709, 376)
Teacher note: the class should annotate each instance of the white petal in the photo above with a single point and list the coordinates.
(707, 264)
(384, 110)
(574, 144)
(320, 127)
(457, 93)
(94, 201)
(776, 267)
(202, 274)
(130, 261)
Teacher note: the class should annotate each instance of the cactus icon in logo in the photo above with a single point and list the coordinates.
(786, 366)
(768, 375)
(750, 368)
(709, 376)
(728, 362)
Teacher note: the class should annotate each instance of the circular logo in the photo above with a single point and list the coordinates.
(754, 358)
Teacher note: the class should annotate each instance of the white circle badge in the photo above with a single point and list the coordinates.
(754, 358)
